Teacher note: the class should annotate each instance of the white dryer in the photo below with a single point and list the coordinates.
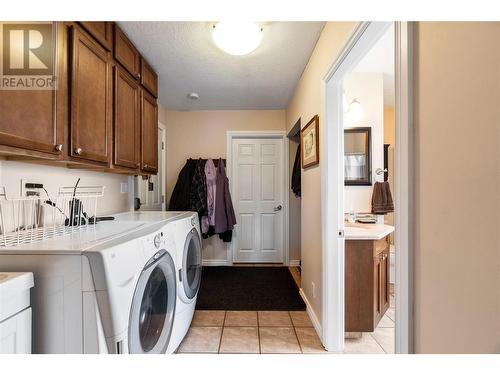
(186, 233)
(112, 289)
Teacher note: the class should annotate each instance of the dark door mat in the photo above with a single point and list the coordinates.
(248, 288)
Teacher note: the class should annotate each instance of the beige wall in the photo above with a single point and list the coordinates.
(202, 134)
(305, 103)
(11, 173)
(457, 187)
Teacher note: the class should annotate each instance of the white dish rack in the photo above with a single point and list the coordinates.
(24, 220)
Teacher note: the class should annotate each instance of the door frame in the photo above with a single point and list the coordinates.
(163, 128)
(363, 38)
(275, 134)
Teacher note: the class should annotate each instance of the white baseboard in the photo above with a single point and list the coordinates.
(294, 263)
(214, 262)
(312, 315)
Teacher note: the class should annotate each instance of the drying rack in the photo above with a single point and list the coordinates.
(24, 220)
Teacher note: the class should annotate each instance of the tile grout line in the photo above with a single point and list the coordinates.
(222, 332)
(258, 333)
(295, 331)
(381, 347)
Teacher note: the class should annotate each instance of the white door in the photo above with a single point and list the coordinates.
(150, 190)
(257, 182)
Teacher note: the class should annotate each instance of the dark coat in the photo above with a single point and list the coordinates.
(296, 174)
(180, 199)
(225, 219)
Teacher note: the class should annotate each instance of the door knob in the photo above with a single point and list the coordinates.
(78, 151)
(278, 208)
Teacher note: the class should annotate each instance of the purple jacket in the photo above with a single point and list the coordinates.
(225, 219)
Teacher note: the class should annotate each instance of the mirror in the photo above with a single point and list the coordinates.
(357, 156)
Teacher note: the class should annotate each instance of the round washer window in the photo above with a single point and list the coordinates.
(192, 264)
(153, 309)
(153, 306)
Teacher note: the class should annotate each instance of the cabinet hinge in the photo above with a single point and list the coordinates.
(162, 199)
(163, 145)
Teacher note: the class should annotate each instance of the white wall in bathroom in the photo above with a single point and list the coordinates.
(11, 173)
(368, 88)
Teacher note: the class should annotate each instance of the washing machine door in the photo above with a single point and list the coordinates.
(191, 264)
(153, 306)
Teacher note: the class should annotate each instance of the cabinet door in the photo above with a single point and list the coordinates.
(149, 78)
(101, 31)
(149, 133)
(126, 54)
(91, 85)
(127, 126)
(384, 282)
(377, 281)
(35, 120)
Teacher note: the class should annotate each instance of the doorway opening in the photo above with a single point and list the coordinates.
(358, 114)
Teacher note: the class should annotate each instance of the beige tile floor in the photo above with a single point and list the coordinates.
(273, 332)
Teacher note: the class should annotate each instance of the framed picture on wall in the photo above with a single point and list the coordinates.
(309, 143)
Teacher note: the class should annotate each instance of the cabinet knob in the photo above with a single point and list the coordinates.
(137, 165)
(78, 151)
(145, 165)
(138, 75)
(58, 147)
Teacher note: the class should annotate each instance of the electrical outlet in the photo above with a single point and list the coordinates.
(313, 287)
(124, 187)
(25, 191)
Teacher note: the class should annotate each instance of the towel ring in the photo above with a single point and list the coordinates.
(380, 171)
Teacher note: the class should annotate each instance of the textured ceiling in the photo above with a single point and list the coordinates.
(186, 60)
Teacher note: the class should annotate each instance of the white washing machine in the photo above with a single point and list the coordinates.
(15, 312)
(186, 233)
(111, 289)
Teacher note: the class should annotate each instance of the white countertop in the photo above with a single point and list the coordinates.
(358, 231)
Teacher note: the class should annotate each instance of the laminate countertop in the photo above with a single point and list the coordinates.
(358, 231)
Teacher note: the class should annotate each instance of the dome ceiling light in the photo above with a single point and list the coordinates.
(237, 38)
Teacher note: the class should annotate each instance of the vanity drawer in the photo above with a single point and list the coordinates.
(380, 246)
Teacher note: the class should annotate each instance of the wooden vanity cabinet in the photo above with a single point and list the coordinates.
(33, 122)
(102, 31)
(90, 99)
(367, 294)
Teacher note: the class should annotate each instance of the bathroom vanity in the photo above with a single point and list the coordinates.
(367, 293)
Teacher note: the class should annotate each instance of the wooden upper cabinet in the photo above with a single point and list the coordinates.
(91, 105)
(127, 126)
(149, 133)
(126, 53)
(149, 78)
(101, 31)
(33, 122)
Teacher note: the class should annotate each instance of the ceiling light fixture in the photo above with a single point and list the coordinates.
(193, 95)
(237, 38)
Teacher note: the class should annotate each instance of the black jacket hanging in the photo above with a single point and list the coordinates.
(296, 178)
(180, 199)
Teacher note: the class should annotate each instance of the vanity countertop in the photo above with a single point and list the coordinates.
(358, 231)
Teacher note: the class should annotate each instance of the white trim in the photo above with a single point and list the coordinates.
(294, 263)
(310, 312)
(362, 39)
(164, 165)
(230, 135)
(214, 262)
(404, 187)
